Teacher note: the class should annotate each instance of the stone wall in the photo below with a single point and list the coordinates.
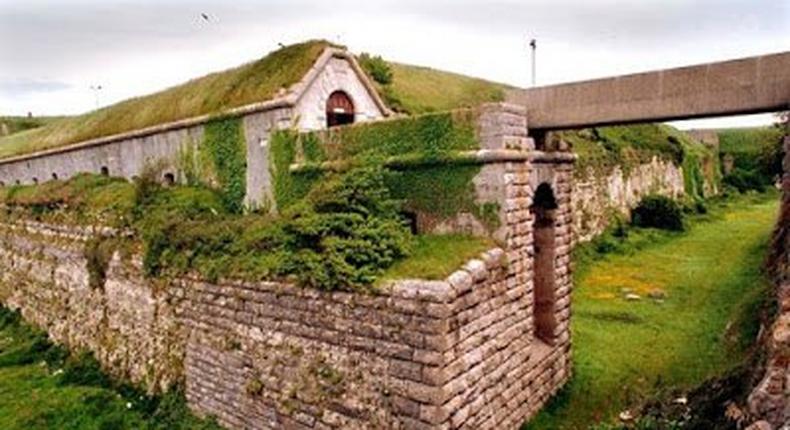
(770, 400)
(420, 354)
(127, 322)
(598, 196)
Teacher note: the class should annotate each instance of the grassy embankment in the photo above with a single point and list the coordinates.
(628, 352)
(16, 124)
(249, 83)
(413, 90)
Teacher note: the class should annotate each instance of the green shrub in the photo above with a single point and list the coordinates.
(342, 235)
(745, 180)
(225, 151)
(658, 212)
(376, 67)
(98, 252)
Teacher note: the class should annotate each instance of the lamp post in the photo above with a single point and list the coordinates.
(533, 44)
(96, 89)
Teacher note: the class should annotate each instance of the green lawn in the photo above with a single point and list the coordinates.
(628, 351)
(435, 256)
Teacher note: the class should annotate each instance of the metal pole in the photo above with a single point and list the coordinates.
(534, 45)
(96, 89)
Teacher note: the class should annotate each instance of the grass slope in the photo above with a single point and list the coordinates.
(754, 148)
(626, 352)
(15, 124)
(249, 83)
(418, 90)
(747, 140)
(437, 256)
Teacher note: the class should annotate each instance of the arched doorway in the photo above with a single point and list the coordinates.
(543, 209)
(339, 109)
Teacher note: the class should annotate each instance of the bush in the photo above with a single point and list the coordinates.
(658, 212)
(692, 206)
(745, 180)
(377, 68)
(342, 235)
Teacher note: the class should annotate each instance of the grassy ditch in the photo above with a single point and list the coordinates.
(699, 294)
(42, 386)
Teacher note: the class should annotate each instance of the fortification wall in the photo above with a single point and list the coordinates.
(484, 348)
(128, 322)
(421, 354)
(127, 157)
(770, 400)
(599, 195)
(123, 158)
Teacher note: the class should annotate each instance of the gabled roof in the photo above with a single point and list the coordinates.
(276, 80)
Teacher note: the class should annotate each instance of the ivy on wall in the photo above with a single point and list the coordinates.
(288, 188)
(223, 159)
(430, 135)
(438, 190)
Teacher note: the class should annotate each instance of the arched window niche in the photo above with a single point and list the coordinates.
(543, 210)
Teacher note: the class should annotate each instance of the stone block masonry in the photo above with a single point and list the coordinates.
(769, 402)
(127, 322)
(484, 348)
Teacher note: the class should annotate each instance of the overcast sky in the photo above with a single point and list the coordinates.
(53, 52)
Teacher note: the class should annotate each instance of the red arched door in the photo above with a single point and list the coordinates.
(339, 109)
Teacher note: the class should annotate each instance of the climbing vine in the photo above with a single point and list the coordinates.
(223, 158)
(288, 188)
(426, 185)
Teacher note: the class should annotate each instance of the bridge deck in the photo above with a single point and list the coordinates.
(743, 86)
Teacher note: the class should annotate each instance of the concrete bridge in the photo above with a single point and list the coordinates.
(744, 86)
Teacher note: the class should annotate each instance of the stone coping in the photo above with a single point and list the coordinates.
(480, 156)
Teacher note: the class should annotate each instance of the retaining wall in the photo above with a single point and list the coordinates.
(770, 399)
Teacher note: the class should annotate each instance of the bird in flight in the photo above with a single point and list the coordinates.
(205, 16)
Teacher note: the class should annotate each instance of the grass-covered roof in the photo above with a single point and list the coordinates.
(249, 83)
(412, 89)
(416, 89)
